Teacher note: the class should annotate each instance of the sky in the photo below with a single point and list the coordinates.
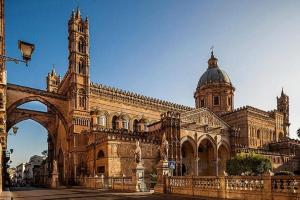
(160, 48)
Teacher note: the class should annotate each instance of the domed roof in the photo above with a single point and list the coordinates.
(213, 74)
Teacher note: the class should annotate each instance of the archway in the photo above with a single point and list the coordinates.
(206, 158)
(188, 157)
(223, 156)
(51, 119)
(25, 156)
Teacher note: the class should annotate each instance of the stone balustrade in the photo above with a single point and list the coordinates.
(236, 187)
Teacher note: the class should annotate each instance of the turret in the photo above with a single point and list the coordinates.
(283, 107)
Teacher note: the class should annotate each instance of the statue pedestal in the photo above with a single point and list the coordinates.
(54, 180)
(138, 178)
(163, 171)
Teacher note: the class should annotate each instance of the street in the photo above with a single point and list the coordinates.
(79, 193)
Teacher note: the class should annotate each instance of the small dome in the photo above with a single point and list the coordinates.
(213, 74)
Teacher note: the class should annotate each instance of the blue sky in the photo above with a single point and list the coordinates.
(160, 48)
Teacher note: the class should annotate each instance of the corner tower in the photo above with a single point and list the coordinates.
(283, 107)
(214, 90)
(78, 29)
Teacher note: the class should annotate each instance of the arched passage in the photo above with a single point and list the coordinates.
(53, 120)
(23, 149)
(223, 156)
(187, 156)
(206, 157)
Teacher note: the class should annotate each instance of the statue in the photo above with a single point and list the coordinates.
(164, 148)
(54, 166)
(138, 153)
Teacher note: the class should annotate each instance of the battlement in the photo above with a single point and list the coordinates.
(135, 98)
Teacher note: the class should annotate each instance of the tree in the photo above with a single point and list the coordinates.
(298, 133)
(248, 164)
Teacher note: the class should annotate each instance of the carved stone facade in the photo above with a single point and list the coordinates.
(93, 128)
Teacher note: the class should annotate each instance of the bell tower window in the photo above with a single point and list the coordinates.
(81, 67)
(81, 45)
(216, 100)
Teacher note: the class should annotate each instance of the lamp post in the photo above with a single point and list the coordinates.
(26, 51)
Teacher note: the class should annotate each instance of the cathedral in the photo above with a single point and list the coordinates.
(93, 128)
(108, 121)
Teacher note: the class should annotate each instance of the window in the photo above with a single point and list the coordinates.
(80, 29)
(202, 103)
(216, 100)
(101, 169)
(81, 45)
(101, 120)
(229, 101)
(258, 134)
(114, 122)
(81, 67)
(100, 154)
(135, 125)
(125, 123)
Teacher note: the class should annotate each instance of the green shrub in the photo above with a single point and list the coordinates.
(284, 173)
(248, 164)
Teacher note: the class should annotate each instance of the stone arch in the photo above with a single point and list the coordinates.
(206, 151)
(110, 118)
(50, 106)
(207, 137)
(189, 139)
(188, 151)
(223, 156)
(105, 114)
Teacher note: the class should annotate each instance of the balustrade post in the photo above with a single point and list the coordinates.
(222, 189)
(267, 186)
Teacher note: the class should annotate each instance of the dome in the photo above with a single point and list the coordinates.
(213, 74)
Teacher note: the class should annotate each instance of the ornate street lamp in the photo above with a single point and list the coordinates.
(26, 50)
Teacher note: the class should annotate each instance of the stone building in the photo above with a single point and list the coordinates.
(93, 128)
(106, 122)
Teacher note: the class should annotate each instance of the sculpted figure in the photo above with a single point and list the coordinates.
(138, 153)
(54, 166)
(164, 148)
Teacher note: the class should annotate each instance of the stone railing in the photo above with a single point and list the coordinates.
(284, 184)
(101, 182)
(236, 187)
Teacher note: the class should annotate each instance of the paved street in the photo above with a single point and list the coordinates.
(79, 193)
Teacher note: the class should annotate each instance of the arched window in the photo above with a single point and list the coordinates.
(100, 154)
(81, 67)
(81, 98)
(135, 125)
(80, 28)
(125, 123)
(258, 134)
(101, 120)
(81, 45)
(114, 122)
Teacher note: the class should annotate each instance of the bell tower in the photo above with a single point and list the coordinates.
(78, 29)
